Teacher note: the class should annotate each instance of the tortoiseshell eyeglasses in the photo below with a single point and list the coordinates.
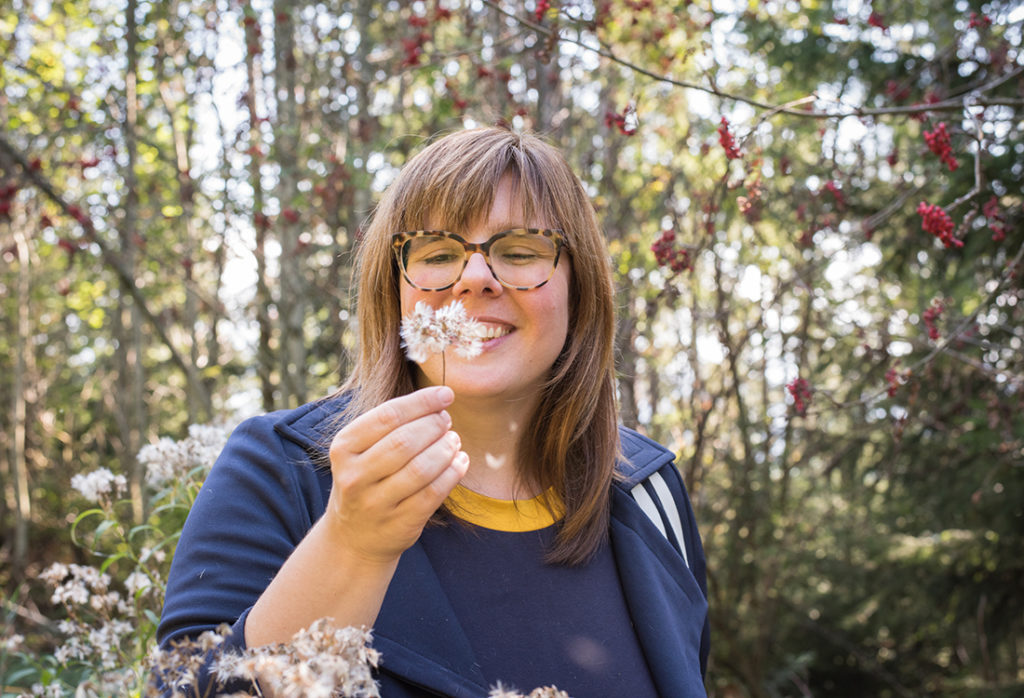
(520, 258)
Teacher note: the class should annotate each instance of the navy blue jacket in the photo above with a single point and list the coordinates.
(266, 491)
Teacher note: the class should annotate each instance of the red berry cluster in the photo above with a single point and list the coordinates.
(800, 389)
(936, 221)
(996, 219)
(980, 21)
(837, 193)
(81, 216)
(252, 28)
(930, 315)
(668, 255)
(618, 120)
(728, 142)
(413, 49)
(876, 20)
(458, 101)
(896, 91)
(542, 8)
(939, 143)
(7, 193)
(894, 379)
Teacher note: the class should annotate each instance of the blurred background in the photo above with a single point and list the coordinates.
(814, 211)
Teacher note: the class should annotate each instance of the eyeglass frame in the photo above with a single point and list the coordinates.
(398, 240)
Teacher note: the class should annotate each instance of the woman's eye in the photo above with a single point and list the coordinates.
(438, 258)
(520, 255)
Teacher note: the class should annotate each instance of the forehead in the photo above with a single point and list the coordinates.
(507, 209)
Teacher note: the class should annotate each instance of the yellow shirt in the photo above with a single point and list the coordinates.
(504, 514)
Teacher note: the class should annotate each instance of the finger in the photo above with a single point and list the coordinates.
(370, 427)
(424, 468)
(424, 502)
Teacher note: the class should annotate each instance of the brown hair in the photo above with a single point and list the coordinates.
(571, 443)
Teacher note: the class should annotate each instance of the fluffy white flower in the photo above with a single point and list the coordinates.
(54, 574)
(168, 459)
(426, 331)
(99, 485)
(136, 582)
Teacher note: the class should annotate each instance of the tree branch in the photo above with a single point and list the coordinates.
(954, 103)
(126, 280)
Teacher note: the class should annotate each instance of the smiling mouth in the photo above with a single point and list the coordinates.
(494, 331)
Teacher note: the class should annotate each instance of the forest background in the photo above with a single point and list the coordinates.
(814, 211)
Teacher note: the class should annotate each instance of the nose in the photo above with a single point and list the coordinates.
(477, 277)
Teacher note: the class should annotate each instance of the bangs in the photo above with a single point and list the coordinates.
(454, 187)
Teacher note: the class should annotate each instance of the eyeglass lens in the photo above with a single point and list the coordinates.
(522, 259)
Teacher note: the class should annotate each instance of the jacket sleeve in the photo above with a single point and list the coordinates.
(255, 506)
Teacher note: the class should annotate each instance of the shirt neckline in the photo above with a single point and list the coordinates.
(510, 515)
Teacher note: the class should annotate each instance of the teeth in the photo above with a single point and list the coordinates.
(492, 332)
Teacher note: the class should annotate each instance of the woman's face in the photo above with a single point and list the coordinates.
(529, 328)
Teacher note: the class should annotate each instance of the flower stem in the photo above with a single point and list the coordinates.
(442, 367)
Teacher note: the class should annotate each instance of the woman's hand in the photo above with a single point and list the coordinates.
(393, 467)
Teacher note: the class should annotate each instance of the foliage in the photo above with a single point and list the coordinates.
(814, 212)
(111, 608)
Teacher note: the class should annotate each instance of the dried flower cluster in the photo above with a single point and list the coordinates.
(319, 661)
(500, 691)
(100, 485)
(169, 460)
(427, 332)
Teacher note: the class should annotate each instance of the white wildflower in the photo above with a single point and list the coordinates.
(168, 459)
(146, 553)
(99, 485)
(137, 581)
(104, 603)
(76, 591)
(427, 332)
(54, 574)
(12, 643)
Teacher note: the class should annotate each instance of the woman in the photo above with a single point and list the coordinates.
(486, 517)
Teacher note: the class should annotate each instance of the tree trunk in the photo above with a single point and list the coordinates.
(293, 291)
(261, 224)
(132, 371)
(19, 410)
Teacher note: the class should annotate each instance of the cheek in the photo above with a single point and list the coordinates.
(409, 297)
(557, 308)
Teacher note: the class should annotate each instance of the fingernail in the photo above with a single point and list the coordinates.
(454, 440)
(446, 395)
(447, 419)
